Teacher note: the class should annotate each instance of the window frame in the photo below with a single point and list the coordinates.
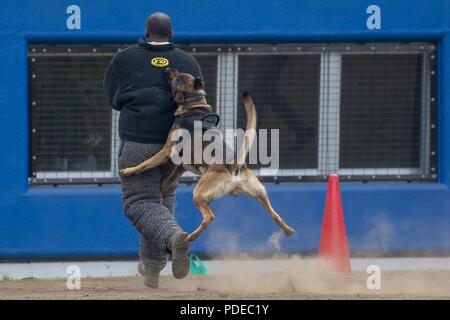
(427, 120)
(227, 103)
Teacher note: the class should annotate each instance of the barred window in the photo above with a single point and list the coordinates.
(364, 111)
(286, 92)
(70, 118)
(380, 111)
(208, 64)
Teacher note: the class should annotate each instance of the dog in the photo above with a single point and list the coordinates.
(217, 178)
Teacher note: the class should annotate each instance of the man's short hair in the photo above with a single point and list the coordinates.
(158, 24)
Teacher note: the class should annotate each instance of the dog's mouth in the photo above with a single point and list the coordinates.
(182, 97)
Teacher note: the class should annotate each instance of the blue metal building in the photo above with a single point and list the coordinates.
(43, 221)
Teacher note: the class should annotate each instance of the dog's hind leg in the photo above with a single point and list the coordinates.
(252, 187)
(211, 185)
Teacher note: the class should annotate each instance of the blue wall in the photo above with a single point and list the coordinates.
(87, 220)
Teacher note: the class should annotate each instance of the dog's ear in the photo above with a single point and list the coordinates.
(172, 73)
(198, 83)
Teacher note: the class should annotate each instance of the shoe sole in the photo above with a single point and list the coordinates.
(140, 269)
(180, 258)
(148, 281)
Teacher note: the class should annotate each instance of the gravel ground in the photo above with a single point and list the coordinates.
(319, 284)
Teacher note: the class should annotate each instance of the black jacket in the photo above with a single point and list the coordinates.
(137, 85)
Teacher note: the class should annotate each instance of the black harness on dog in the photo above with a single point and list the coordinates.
(208, 118)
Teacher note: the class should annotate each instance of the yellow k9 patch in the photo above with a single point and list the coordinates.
(159, 62)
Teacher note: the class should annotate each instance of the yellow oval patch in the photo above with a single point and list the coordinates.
(160, 62)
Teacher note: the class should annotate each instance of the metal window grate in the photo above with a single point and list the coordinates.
(286, 92)
(365, 111)
(70, 118)
(380, 111)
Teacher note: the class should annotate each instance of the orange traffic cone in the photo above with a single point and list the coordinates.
(333, 240)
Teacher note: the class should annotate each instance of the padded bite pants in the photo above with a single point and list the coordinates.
(150, 211)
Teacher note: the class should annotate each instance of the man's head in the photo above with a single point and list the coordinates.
(158, 27)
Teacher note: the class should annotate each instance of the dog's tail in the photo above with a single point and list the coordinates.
(250, 132)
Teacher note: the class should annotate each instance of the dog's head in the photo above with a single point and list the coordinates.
(185, 87)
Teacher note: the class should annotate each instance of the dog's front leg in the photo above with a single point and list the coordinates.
(158, 159)
(212, 185)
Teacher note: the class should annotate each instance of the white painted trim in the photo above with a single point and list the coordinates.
(74, 174)
(333, 111)
(102, 269)
(323, 119)
(287, 172)
(115, 141)
(379, 171)
(329, 112)
(227, 82)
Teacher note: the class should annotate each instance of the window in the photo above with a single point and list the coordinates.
(285, 90)
(365, 111)
(74, 137)
(380, 111)
(208, 65)
(70, 118)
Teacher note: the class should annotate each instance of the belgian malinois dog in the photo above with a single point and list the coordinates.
(218, 178)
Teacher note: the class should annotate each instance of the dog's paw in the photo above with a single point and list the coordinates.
(127, 171)
(288, 231)
(191, 237)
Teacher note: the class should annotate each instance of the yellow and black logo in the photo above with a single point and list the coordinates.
(159, 62)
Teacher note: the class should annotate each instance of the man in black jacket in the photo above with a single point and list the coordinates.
(136, 84)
